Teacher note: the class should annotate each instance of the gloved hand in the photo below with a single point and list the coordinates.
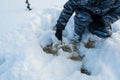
(58, 32)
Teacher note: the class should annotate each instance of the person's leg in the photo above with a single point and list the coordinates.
(81, 20)
(103, 32)
(99, 29)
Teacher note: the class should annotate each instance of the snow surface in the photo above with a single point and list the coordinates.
(24, 33)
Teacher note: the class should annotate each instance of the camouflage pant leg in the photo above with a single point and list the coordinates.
(102, 32)
(82, 21)
(99, 29)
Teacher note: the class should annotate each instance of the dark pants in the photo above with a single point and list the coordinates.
(82, 21)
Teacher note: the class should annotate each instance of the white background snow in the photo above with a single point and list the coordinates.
(22, 58)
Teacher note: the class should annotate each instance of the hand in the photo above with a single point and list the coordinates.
(58, 34)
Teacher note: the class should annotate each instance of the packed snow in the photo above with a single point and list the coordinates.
(24, 33)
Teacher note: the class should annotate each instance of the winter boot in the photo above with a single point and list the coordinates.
(85, 71)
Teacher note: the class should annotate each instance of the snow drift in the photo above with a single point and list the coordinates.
(22, 56)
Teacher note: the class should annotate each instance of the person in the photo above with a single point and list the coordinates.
(94, 15)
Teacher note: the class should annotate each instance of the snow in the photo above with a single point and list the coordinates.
(23, 33)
